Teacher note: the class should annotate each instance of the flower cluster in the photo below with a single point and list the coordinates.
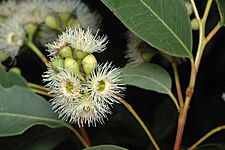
(20, 20)
(84, 91)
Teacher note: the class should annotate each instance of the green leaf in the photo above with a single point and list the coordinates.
(8, 79)
(45, 140)
(21, 109)
(106, 147)
(164, 24)
(149, 77)
(221, 7)
(160, 119)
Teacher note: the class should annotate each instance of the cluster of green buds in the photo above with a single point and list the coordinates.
(76, 61)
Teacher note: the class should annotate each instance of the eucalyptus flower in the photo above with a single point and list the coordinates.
(138, 52)
(37, 10)
(87, 112)
(8, 8)
(105, 84)
(83, 90)
(79, 40)
(12, 36)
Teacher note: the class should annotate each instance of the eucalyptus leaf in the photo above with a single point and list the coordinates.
(46, 140)
(149, 77)
(8, 79)
(221, 7)
(105, 147)
(21, 109)
(164, 24)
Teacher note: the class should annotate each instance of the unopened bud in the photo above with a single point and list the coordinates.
(66, 52)
(194, 24)
(64, 16)
(52, 23)
(73, 22)
(80, 54)
(89, 63)
(147, 56)
(72, 65)
(56, 63)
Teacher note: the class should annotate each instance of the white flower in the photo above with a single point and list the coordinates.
(63, 5)
(136, 48)
(105, 84)
(78, 39)
(84, 40)
(37, 10)
(87, 112)
(86, 18)
(12, 36)
(8, 8)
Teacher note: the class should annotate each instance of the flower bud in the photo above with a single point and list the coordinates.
(147, 56)
(64, 16)
(73, 22)
(80, 54)
(66, 52)
(89, 63)
(72, 65)
(56, 63)
(194, 24)
(15, 70)
(52, 23)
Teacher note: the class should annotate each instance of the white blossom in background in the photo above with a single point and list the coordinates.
(12, 36)
(7, 8)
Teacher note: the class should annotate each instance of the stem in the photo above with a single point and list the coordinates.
(41, 92)
(202, 39)
(194, 70)
(36, 86)
(213, 32)
(177, 82)
(77, 135)
(184, 109)
(85, 136)
(131, 110)
(213, 131)
(31, 45)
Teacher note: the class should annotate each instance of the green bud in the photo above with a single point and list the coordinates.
(55, 63)
(194, 24)
(89, 63)
(72, 65)
(66, 52)
(64, 16)
(15, 70)
(80, 54)
(52, 22)
(3, 56)
(147, 56)
(73, 22)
